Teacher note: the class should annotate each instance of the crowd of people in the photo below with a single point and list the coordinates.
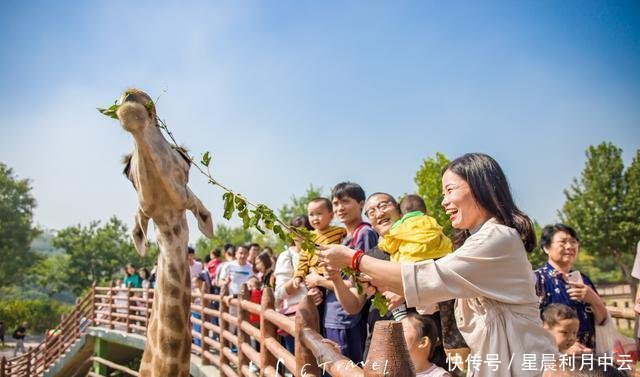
(504, 312)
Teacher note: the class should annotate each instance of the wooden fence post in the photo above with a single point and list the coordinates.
(222, 323)
(267, 330)
(147, 310)
(306, 316)
(92, 311)
(77, 320)
(28, 362)
(61, 343)
(3, 366)
(243, 316)
(204, 318)
(111, 303)
(128, 321)
(388, 354)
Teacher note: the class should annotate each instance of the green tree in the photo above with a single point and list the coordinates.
(428, 180)
(16, 229)
(222, 235)
(598, 208)
(537, 257)
(97, 253)
(51, 274)
(298, 204)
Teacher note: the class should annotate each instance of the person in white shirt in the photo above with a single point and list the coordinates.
(237, 272)
(195, 267)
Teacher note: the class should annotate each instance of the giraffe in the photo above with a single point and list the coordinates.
(159, 174)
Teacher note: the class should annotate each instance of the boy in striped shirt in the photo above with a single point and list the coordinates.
(320, 213)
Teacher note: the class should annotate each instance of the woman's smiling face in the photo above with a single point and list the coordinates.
(563, 250)
(459, 203)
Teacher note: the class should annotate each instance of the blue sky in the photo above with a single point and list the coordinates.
(287, 94)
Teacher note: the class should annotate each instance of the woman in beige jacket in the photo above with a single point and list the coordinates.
(489, 274)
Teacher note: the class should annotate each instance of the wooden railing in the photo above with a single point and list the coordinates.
(225, 345)
(56, 342)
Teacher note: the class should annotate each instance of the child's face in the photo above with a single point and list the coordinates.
(565, 332)
(419, 347)
(319, 215)
(347, 209)
(252, 284)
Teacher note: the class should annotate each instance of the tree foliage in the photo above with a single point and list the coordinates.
(601, 207)
(97, 253)
(428, 180)
(16, 229)
(40, 314)
(298, 204)
(222, 235)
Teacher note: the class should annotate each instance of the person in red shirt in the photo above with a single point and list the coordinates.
(213, 264)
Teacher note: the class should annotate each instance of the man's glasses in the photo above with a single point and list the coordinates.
(568, 241)
(382, 206)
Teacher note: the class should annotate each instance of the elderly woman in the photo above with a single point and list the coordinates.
(489, 274)
(556, 283)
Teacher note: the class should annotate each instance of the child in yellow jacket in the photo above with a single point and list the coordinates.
(416, 236)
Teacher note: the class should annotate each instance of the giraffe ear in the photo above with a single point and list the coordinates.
(205, 223)
(139, 232)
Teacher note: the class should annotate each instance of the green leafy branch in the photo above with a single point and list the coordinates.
(258, 216)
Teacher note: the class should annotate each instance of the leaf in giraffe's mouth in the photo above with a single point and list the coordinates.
(111, 111)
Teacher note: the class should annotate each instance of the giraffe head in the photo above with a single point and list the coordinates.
(158, 171)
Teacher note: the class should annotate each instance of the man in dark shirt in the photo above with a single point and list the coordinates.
(2, 333)
(19, 335)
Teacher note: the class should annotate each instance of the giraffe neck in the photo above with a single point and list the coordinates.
(168, 348)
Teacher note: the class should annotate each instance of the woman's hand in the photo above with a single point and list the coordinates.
(312, 280)
(395, 300)
(316, 295)
(367, 280)
(332, 274)
(335, 256)
(581, 292)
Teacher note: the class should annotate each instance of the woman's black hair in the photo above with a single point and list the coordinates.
(550, 230)
(265, 258)
(490, 189)
(300, 221)
(146, 272)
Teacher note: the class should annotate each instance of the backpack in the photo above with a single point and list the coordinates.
(15, 335)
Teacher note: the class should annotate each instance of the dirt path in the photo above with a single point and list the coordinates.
(10, 344)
